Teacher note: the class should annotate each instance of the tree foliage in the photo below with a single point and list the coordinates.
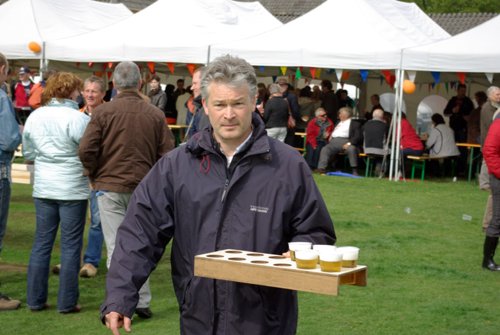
(458, 6)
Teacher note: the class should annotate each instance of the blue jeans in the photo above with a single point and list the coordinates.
(49, 214)
(95, 238)
(4, 197)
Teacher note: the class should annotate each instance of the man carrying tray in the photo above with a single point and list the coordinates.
(229, 187)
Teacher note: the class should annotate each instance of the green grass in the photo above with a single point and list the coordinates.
(424, 267)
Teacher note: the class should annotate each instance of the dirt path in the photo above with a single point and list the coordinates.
(4, 267)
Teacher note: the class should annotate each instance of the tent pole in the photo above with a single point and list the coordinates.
(399, 111)
(208, 55)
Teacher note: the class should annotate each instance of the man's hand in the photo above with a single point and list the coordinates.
(115, 321)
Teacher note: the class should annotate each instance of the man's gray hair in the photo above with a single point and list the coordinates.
(229, 70)
(127, 75)
(97, 80)
(491, 90)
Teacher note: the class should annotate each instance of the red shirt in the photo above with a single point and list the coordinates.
(409, 137)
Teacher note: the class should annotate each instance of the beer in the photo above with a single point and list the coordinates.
(323, 247)
(350, 263)
(349, 256)
(306, 259)
(294, 246)
(330, 266)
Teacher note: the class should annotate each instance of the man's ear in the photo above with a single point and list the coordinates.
(204, 103)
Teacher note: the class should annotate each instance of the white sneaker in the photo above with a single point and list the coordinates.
(88, 271)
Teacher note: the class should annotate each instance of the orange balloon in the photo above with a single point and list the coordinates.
(408, 86)
(34, 47)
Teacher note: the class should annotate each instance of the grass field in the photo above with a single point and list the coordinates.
(424, 267)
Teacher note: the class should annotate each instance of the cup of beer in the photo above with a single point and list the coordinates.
(306, 259)
(349, 256)
(295, 246)
(320, 247)
(330, 260)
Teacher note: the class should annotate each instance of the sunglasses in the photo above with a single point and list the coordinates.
(322, 115)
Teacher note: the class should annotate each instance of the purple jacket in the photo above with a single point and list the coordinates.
(264, 200)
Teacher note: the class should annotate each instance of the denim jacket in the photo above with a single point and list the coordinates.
(10, 137)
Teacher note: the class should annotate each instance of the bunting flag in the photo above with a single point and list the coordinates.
(345, 76)
(283, 70)
(91, 64)
(298, 75)
(110, 65)
(293, 78)
(364, 75)
(191, 68)
(109, 75)
(447, 87)
(262, 68)
(104, 67)
(412, 75)
(313, 72)
(490, 77)
(274, 78)
(318, 73)
(392, 80)
(171, 67)
(339, 72)
(151, 67)
(461, 77)
(436, 76)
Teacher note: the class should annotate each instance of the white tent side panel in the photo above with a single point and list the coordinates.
(474, 50)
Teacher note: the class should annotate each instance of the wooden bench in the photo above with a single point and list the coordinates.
(303, 148)
(419, 162)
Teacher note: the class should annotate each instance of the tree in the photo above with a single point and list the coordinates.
(458, 6)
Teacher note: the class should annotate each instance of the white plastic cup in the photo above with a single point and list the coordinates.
(330, 261)
(323, 247)
(295, 246)
(306, 259)
(350, 256)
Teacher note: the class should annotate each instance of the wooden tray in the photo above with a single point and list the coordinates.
(275, 271)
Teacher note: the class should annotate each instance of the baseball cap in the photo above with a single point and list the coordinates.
(24, 69)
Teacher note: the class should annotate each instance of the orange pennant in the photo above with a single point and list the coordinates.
(91, 64)
(110, 65)
(345, 76)
(191, 68)
(313, 72)
(461, 77)
(151, 67)
(171, 67)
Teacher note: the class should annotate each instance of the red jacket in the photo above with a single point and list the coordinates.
(491, 149)
(312, 132)
(409, 137)
(21, 98)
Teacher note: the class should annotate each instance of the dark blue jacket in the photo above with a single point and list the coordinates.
(266, 198)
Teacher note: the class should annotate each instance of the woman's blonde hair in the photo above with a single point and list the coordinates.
(60, 86)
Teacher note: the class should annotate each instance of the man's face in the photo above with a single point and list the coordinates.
(180, 85)
(153, 84)
(92, 94)
(461, 92)
(196, 84)
(24, 76)
(495, 96)
(343, 116)
(229, 110)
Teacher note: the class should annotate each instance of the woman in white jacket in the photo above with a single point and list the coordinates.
(51, 137)
(441, 139)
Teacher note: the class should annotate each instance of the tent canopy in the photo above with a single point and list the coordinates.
(24, 21)
(354, 34)
(474, 50)
(173, 31)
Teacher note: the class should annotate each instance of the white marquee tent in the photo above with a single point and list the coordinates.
(167, 30)
(354, 34)
(24, 21)
(475, 50)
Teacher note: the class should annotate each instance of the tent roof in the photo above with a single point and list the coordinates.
(192, 25)
(474, 50)
(367, 34)
(23, 21)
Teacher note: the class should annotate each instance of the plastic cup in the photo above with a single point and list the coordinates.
(321, 247)
(330, 261)
(306, 259)
(295, 246)
(349, 256)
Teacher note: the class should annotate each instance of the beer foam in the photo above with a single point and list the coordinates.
(330, 256)
(306, 254)
(349, 253)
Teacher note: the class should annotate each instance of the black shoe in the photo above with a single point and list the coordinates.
(144, 313)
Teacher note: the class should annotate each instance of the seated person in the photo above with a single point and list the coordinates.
(440, 142)
(317, 133)
(375, 137)
(346, 137)
(410, 143)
